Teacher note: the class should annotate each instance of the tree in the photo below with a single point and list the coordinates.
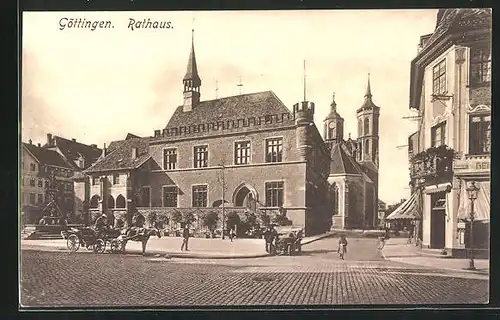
(210, 220)
(188, 218)
(232, 220)
(162, 220)
(282, 220)
(152, 218)
(266, 219)
(176, 217)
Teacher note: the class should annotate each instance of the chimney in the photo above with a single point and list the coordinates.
(49, 139)
(73, 139)
(39, 145)
(93, 146)
(30, 141)
(134, 153)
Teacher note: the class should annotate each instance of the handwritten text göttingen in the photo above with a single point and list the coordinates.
(79, 23)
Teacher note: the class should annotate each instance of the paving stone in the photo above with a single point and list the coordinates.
(84, 280)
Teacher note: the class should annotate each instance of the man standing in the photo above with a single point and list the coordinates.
(185, 238)
(101, 225)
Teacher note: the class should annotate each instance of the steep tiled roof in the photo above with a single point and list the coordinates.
(230, 108)
(46, 156)
(72, 150)
(341, 163)
(121, 156)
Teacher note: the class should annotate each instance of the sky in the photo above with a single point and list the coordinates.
(96, 86)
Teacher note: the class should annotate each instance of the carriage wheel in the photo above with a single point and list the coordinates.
(99, 246)
(73, 243)
(115, 246)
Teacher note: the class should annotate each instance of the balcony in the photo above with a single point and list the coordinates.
(433, 165)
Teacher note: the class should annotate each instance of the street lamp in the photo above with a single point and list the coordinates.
(472, 190)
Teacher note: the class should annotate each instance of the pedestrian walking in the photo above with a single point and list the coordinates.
(269, 236)
(232, 234)
(185, 238)
(342, 249)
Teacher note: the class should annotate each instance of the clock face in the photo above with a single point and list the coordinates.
(332, 125)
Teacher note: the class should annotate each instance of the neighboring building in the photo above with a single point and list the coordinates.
(245, 152)
(353, 170)
(37, 166)
(79, 155)
(451, 89)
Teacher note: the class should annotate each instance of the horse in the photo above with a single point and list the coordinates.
(138, 234)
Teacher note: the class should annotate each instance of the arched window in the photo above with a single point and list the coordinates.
(335, 199)
(367, 146)
(94, 201)
(367, 126)
(120, 201)
(360, 131)
(111, 201)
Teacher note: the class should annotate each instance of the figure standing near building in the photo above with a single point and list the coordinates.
(185, 238)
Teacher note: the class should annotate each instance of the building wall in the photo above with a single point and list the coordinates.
(26, 175)
(456, 112)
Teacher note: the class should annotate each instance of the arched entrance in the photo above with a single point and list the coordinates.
(245, 196)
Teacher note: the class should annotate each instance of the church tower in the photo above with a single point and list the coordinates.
(191, 81)
(368, 130)
(333, 125)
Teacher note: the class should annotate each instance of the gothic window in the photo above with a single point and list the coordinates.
(439, 78)
(367, 147)
(170, 196)
(274, 194)
(335, 199)
(201, 156)
(40, 183)
(32, 182)
(274, 150)
(200, 195)
(120, 201)
(360, 128)
(242, 152)
(40, 199)
(367, 126)
(111, 201)
(116, 178)
(169, 159)
(480, 134)
(438, 135)
(94, 201)
(480, 65)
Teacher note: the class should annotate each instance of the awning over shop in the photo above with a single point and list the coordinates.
(437, 188)
(481, 204)
(410, 209)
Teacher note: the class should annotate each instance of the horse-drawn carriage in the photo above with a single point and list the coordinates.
(115, 239)
(288, 240)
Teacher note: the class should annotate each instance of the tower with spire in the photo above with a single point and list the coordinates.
(333, 125)
(191, 81)
(368, 130)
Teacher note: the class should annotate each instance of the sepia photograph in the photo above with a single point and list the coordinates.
(191, 159)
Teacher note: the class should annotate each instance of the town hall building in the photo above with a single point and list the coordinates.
(244, 153)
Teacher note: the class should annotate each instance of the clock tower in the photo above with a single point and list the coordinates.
(333, 125)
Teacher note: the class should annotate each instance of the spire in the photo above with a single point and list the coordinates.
(333, 104)
(368, 94)
(192, 69)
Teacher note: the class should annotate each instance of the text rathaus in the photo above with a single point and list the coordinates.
(249, 152)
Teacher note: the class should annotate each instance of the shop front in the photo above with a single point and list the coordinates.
(408, 214)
